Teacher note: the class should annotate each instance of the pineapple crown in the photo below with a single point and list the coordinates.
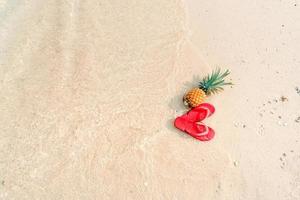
(214, 82)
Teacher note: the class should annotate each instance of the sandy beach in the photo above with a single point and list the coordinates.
(90, 90)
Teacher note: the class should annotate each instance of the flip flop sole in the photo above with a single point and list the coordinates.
(210, 135)
(181, 122)
(211, 109)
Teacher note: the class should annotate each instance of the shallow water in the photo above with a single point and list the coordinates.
(89, 94)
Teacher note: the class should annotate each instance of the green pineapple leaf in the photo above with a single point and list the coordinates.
(214, 82)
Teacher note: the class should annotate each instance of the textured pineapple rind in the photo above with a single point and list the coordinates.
(194, 97)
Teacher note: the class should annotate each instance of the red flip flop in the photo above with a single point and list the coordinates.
(189, 122)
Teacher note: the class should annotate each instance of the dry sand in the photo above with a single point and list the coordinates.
(89, 91)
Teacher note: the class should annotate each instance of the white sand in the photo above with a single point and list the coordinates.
(259, 41)
(89, 91)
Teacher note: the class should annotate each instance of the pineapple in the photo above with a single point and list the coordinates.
(211, 84)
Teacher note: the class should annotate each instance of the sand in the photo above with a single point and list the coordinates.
(90, 89)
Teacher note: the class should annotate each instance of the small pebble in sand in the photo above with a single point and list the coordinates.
(261, 130)
(235, 163)
(244, 126)
(280, 159)
(297, 120)
(283, 98)
(238, 125)
(279, 117)
(292, 151)
(297, 90)
(284, 154)
(280, 123)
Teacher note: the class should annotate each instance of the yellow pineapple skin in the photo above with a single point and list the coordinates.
(194, 97)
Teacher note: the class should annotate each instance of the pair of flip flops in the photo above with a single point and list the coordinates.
(191, 122)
